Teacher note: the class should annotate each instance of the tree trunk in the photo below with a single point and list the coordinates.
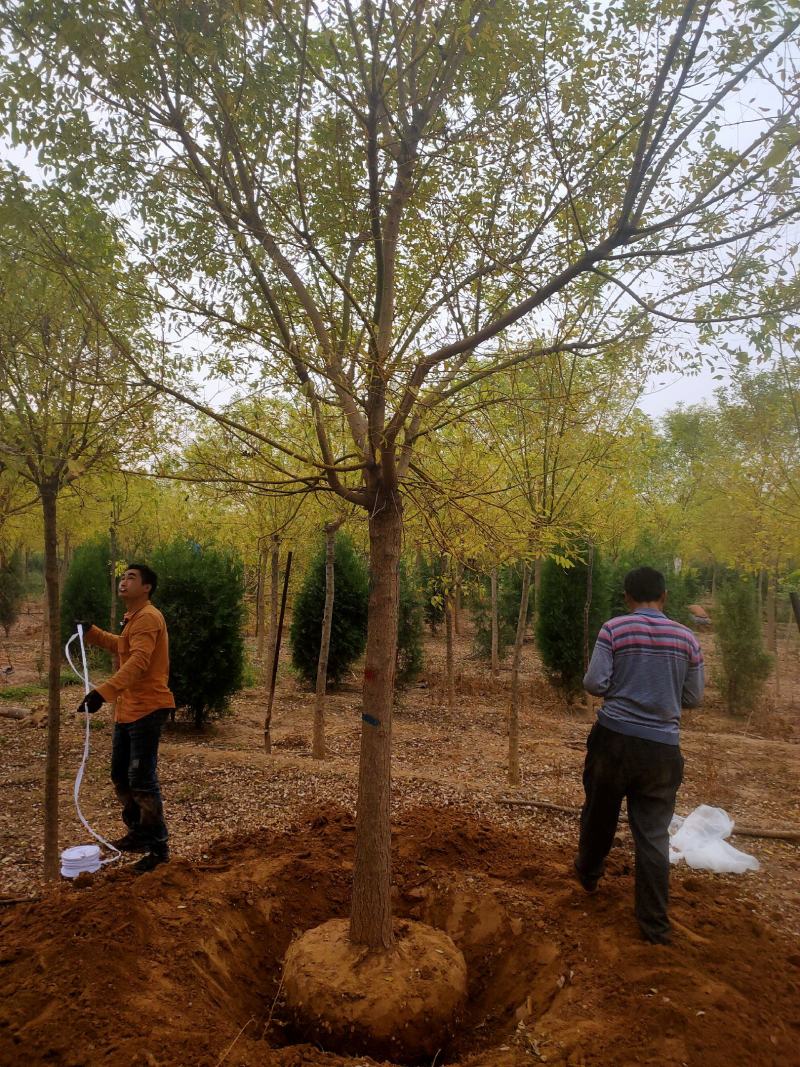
(495, 625)
(537, 584)
(587, 607)
(371, 916)
(49, 497)
(113, 554)
(457, 602)
(261, 583)
(795, 599)
(772, 619)
(318, 744)
(513, 717)
(274, 598)
(449, 628)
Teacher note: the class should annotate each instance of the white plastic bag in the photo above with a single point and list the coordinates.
(700, 840)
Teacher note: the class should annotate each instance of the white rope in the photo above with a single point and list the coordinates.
(84, 857)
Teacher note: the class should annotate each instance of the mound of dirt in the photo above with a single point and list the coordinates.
(183, 965)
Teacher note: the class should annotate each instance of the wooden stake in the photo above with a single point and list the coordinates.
(268, 716)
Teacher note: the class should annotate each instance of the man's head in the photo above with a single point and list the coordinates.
(645, 585)
(138, 582)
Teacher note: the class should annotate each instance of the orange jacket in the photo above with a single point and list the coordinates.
(141, 685)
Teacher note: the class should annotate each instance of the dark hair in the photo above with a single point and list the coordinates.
(149, 576)
(645, 584)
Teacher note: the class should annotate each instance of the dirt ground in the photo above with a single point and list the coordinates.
(182, 966)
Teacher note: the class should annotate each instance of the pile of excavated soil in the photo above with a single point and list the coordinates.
(183, 966)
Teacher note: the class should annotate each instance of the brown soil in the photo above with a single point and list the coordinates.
(405, 1003)
(182, 966)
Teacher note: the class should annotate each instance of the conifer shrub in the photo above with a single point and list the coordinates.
(559, 625)
(349, 622)
(87, 588)
(744, 663)
(409, 631)
(683, 588)
(201, 595)
(509, 592)
(11, 590)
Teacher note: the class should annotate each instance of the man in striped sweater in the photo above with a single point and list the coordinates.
(646, 667)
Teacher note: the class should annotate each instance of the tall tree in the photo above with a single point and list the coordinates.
(354, 180)
(66, 404)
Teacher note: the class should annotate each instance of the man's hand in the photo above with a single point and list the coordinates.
(92, 702)
(84, 623)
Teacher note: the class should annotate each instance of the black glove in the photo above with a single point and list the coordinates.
(93, 701)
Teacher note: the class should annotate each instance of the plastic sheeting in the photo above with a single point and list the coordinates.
(699, 839)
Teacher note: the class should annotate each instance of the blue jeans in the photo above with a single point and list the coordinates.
(134, 766)
(648, 774)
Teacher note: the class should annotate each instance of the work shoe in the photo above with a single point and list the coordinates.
(131, 842)
(589, 884)
(150, 861)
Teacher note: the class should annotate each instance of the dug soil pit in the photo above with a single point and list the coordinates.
(183, 966)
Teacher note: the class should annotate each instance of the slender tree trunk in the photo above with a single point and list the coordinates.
(449, 628)
(513, 717)
(274, 598)
(49, 497)
(318, 745)
(772, 613)
(113, 556)
(587, 607)
(113, 552)
(495, 625)
(537, 584)
(457, 601)
(371, 915)
(273, 673)
(261, 582)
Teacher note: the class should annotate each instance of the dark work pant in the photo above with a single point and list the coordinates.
(134, 766)
(648, 773)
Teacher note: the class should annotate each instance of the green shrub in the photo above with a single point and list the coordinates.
(559, 629)
(87, 588)
(409, 631)
(201, 594)
(682, 588)
(509, 592)
(349, 623)
(744, 664)
(11, 590)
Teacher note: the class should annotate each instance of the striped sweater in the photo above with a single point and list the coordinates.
(646, 667)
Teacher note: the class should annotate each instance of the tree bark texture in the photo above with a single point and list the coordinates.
(495, 624)
(537, 584)
(513, 716)
(371, 914)
(318, 742)
(49, 497)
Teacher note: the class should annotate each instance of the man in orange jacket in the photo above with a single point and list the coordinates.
(140, 688)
